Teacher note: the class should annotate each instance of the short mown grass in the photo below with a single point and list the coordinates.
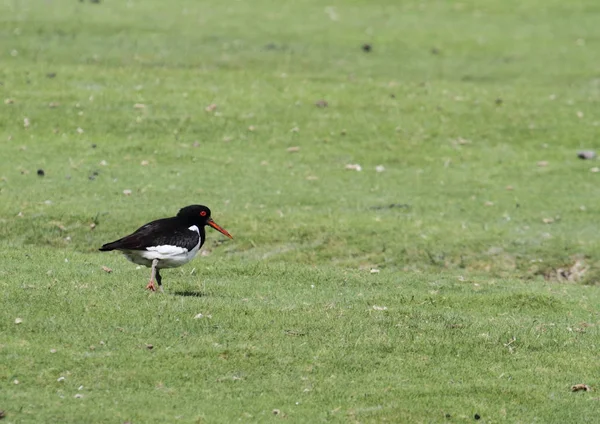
(459, 282)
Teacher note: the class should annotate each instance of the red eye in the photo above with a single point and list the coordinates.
(203, 213)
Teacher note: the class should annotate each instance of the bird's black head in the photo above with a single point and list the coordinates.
(196, 212)
(200, 215)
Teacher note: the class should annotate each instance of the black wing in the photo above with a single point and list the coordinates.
(166, 231)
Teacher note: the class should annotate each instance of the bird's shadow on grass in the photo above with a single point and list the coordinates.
(189, 293)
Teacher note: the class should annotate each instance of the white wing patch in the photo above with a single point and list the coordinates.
(167, 250)
(194, 228)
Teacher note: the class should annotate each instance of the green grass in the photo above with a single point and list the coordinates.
(456, 100)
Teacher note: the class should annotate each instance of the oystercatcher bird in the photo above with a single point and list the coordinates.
(167, 242)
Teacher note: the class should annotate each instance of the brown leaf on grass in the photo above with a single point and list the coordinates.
(211, 107)
(455, 142)
(106, 269)
(353, 167)
(293, 149)
(53, 105)
(139, 106)
(579, 387)
(542, 163)
(548, 220)
(321, 103)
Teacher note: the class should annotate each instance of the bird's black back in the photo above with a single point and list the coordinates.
(167, 231)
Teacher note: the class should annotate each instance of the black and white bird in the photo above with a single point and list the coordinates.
(167, 242)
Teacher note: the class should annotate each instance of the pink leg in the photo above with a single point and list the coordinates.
(151, 285)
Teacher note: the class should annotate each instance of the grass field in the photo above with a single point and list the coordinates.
(465, 118)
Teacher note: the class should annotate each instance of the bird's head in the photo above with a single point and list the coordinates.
(200, 215)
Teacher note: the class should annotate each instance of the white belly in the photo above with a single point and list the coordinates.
(168, 256)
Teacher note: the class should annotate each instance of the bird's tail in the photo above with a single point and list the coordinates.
(108, 247)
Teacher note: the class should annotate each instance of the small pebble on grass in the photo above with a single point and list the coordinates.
(586, 154)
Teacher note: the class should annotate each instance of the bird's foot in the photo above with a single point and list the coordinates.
(151, 286)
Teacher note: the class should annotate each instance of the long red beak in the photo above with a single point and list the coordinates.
(219, 229)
